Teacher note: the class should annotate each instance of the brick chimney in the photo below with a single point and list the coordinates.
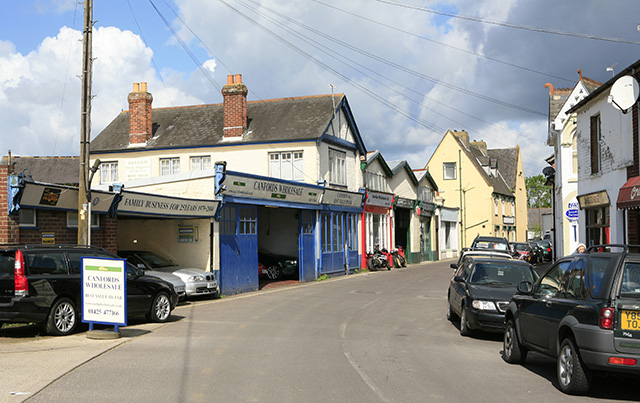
(463, 136)
(481, 145)
(140, 124)
(234, 108)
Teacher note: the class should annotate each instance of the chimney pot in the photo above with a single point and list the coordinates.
(230, 79)
(143, 86)
(136, 87)
(238, 78)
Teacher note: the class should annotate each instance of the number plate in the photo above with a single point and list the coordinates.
(211, 285)
(629, 320)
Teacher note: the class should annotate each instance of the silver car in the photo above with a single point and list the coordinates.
(175, 281)
(197, 281)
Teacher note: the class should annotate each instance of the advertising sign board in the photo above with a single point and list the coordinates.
(104, 291)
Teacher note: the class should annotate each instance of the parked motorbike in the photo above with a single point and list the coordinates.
(399, 259)
(379, 259)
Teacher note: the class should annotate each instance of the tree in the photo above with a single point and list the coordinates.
(538, 195)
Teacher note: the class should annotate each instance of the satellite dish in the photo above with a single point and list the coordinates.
(624, 93)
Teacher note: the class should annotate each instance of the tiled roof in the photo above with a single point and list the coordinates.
(285, 119)
(58, 170)
(507, 160)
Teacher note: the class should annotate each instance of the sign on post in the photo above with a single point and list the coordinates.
(104, 291)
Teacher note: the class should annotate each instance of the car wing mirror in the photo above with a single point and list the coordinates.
(458, 279)
(453, 266)
(525, 287)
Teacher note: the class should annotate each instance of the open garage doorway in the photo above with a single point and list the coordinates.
(286, 244)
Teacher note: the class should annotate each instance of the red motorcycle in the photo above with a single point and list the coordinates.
(379, 259)
(398, 257)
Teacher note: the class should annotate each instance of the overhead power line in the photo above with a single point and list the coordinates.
(510, 25)
(479, 55)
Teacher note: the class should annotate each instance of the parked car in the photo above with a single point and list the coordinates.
(481, 253)
(522, 251)
(536, 253)
(277, 266)
(584, 311)
(489, 243)
(547, 249)
(43, 284)
(481, 289)
(197, 281)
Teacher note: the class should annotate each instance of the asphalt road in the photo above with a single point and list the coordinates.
(375, 337)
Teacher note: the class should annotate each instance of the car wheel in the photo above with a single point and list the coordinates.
(273, 272)
(160, 309)
(512, 350)
(572, 375)
(450, 314)
(62, 319)
(464, 323)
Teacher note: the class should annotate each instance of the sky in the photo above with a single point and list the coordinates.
(411, 70)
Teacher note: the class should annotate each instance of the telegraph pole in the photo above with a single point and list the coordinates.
(84, 218)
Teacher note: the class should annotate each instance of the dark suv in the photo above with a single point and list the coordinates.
(42, 284)
(584, 311)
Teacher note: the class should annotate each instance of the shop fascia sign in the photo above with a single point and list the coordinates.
(595, 199)
(147, 204)
(379, 199)
(49, 196)
(339, 198)
(258, 187)
(404, 203)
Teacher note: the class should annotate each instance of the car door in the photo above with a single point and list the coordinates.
(458, 289)
(140, 291)
(534, 311)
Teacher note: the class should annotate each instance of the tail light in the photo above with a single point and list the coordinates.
(607, 316)
(20, 280)
(623, 361)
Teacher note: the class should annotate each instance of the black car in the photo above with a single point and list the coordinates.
(43, 284)
(482, 288)
(547, 249)
(275, 266)
(585, 312)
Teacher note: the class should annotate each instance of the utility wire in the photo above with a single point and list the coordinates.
(479, 55)
(514, 26)
(193, 57)
(343, 57)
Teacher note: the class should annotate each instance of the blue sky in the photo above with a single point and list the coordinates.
(438, 70)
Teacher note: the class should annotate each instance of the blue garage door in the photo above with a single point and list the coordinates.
(307, 245)
(238, 249)
(339, 242)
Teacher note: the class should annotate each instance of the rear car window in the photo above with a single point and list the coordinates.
(49, 263)
(599, 282)
(631, 279)
(500, 274)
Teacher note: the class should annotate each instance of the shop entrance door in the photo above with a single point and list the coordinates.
(238, 249)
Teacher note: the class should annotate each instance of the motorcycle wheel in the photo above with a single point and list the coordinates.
(387, 265)
(403, 261)
(397, 262)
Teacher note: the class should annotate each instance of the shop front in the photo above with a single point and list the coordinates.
(376, 223)
(596, 207)
(629, 203)
(425, 212)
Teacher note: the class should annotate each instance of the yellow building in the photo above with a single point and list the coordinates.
(487, 186)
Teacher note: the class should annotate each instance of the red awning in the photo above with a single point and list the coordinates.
(629, 194)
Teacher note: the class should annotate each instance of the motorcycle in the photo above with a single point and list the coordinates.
(399, 258)
(379, 259)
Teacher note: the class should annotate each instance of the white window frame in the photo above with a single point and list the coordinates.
(287, 165)
(200, 163)
(173, 165)
(23, 219)
(337, 167)
(72, 220)
(449, 165)
(108, 172)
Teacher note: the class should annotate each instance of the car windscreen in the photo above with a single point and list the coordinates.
(631, 280)
(156, 261)
(491, 273)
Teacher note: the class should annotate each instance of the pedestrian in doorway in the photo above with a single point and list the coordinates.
(581, 248)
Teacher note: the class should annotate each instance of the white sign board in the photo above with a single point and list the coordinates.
(104, 291)
(137, 168)
(266, 189)
(338, 198)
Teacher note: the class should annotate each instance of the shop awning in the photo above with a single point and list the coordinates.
(629, 194)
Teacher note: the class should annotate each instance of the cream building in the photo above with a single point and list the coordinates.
(487, 186)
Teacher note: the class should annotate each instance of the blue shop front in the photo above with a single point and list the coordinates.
(266, 221)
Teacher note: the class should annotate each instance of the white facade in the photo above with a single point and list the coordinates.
(615, 155)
